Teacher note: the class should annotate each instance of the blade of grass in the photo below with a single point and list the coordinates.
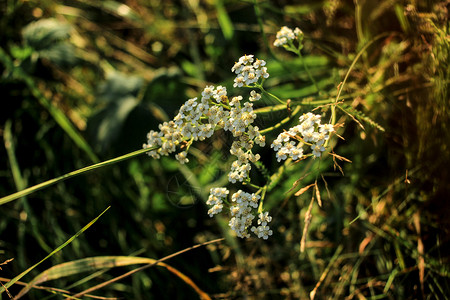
(326, 271)
(21, 183)
(53, 181)
(147, 266)
(18, 277)
(99, 263)
(53, 290)
(390, 280)
(224, 20)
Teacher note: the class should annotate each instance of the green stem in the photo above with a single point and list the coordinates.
(333, 108)
(53, 181)
(285, 120)
(263, 195)
(259, 86)
(307, 71)
(252, 185)
(261, 25)
(276, 177)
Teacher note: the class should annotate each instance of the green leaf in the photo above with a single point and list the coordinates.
(360, 116)
(224, 20)
(121, 9)
(118, 86)
(21, 53)
(44, 33)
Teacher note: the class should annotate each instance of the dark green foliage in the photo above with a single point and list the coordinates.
(107, 72)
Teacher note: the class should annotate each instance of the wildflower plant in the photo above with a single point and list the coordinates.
(199, 118)
(291, 40)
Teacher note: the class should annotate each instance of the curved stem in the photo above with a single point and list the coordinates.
(341, 86)
(259, 86)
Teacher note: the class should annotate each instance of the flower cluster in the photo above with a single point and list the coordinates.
(309, 132)
(215, 199)
(240, 125)
(249, 71)
(286, 36)
(242, 212)
(197, 120)
(263, 230)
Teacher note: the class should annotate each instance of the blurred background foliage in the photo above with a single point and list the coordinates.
(83, 81)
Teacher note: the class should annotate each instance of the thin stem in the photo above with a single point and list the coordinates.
(252, 185)
(341, 86)
(261, 25)
(285, 120)
(261, 202)
(307, 71)
(53, 181)
(259, 86)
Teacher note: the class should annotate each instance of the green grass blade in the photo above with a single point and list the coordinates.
(390, 280)
(9, 145)
(18, 277)
(54, 111)
(224, 20)
(21, 182)
(53, 181)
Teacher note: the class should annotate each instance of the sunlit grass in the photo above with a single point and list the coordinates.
(381, 230)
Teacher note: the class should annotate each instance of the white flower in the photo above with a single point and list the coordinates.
(215, 199)
(317, 150)
(181, 157)
(264, 218)
(286, 35)
(248, 72)
(309, 131)
(263, 230)
(208, 92)
(254, 96)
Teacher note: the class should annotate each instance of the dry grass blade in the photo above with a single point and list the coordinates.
(326, 186)
(353, 118)
(420, 250)
(308, 217)
(340, 158)
(202, 294)
(312, 294)
(97, 263)
(53, 290)
(18, 277)
(7, 292)
(319, 199)
(6, 262)
(304, 189)
(296, 183)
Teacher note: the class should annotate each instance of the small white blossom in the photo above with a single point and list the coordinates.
(215, 199)
(249, 71)
(263, 230)
(286, 35)
(309, 131)
(182, 157)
